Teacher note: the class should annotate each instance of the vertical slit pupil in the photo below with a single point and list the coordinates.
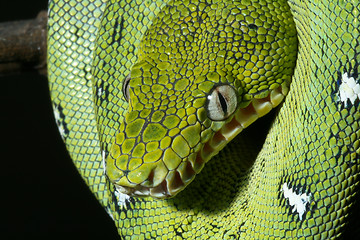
(125, 88)
(223, 103)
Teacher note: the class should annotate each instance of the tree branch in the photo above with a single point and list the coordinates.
(23, 45)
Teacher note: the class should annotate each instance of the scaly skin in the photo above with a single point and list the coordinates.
(301, 184)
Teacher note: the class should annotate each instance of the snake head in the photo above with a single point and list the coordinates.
(202, 76)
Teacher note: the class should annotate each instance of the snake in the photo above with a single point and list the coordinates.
(157, 103)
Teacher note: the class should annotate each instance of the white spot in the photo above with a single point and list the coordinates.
(121, 198)
(99, 92)
(58, 121)
(349, 89)
(56, 114)
(103, 161)
(108, 210)
(298, 201)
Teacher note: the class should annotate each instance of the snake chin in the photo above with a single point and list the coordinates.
(178, 179)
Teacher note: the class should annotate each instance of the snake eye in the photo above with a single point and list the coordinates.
(221, 102)
(125, 88)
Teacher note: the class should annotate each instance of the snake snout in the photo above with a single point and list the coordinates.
(160, 158)
(154, 154)
(157, 180)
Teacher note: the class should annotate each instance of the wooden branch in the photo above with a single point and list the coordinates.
(23, 45)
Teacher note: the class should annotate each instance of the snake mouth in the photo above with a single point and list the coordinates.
(176, 180)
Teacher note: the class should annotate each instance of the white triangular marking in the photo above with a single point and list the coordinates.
(349, 89)
(298, 201)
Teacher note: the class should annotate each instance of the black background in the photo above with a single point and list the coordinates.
(42, 194)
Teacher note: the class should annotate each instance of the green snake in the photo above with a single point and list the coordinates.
(151, 97)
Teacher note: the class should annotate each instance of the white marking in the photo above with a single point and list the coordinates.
(108, 210)
(298, 201)
(121, 197)
(99, 92)
(56, 114)
(59, 122)
(349, 89)
(48, 11)
(103, 161)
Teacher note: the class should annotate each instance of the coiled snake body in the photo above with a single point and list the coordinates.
(145, 93)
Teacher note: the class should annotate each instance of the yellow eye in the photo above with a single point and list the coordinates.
(221, 102)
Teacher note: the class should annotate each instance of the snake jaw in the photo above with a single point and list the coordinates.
(176, 179)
